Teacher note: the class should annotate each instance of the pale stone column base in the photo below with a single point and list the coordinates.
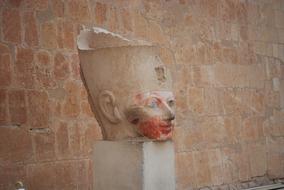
(133, 165)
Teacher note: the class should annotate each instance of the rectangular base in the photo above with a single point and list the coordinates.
(123, 165)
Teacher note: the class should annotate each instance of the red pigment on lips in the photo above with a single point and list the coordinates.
(155, 128)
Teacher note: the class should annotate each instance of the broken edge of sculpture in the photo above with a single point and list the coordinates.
(130, 87)
(99, 38)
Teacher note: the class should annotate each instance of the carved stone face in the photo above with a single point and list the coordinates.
(152, 114)
(129, 87)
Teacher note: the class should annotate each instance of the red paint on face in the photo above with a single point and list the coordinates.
(155, 128)
(152, 114)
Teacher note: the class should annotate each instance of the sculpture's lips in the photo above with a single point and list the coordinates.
(166, 128)
(156, 128)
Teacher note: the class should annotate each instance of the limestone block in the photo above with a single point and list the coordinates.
(123, 165)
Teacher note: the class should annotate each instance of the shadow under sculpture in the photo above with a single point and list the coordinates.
(130, 87)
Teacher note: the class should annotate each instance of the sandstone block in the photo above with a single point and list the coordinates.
(61, 66)
(41, 176)
(65, 32)
(24, 68)
(44, 143)
(5, 70)
(79, 10)
(31, 29)
(38, 115)
(17, 107)
(62, 140)
(185, 171)
(257, 157)
(202, 169)
(11, 25)
(10, 174)
(100, 13)
(36, 4)
(3, 107)
(48, 35)
(15, 145)
(58, 8)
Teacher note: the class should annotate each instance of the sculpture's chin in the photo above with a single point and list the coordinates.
(157, 129)
(164, 137)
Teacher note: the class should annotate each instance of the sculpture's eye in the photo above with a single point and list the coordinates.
(171, 103)
(135, 121)
(152, 103)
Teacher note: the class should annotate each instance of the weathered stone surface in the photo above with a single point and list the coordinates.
(18, 107)
(59, 175)
(113, 22)
(202, 169)
(281, 92)
(5, 65)
(258, 158)
(216, 166)
(44, 70)
(36, 4)
(3, 107)
(48, 35)
(11, 23)
(91, 134)
(100, 13)
(5, 70)
(61, 66)
(66, 174)
(185, 171)
(31, 29)
(62, 140)
(41, 175)
(275, 154)
(79, 10)
(9, 174)
(236, 162)
(65, 35)
(38, 115)
(44, 145)
(189, 138)
(75, 140)
(15, 145)
(196, 100)
(58, 8)
(224, 75)
(24, 68)
(71, 106)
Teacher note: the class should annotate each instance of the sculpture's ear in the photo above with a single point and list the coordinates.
(108, 106)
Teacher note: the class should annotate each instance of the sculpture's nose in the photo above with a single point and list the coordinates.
(170, 114)
(172, 117)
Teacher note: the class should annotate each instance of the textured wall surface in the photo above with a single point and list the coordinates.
(227, 57)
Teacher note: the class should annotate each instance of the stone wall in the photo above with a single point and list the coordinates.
(227, 57)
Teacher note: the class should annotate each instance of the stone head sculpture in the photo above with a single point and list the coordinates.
(130, 87)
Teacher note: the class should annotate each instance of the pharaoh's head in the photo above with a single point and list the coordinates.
(130, 88)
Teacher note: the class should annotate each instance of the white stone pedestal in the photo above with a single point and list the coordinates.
(129, 165)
